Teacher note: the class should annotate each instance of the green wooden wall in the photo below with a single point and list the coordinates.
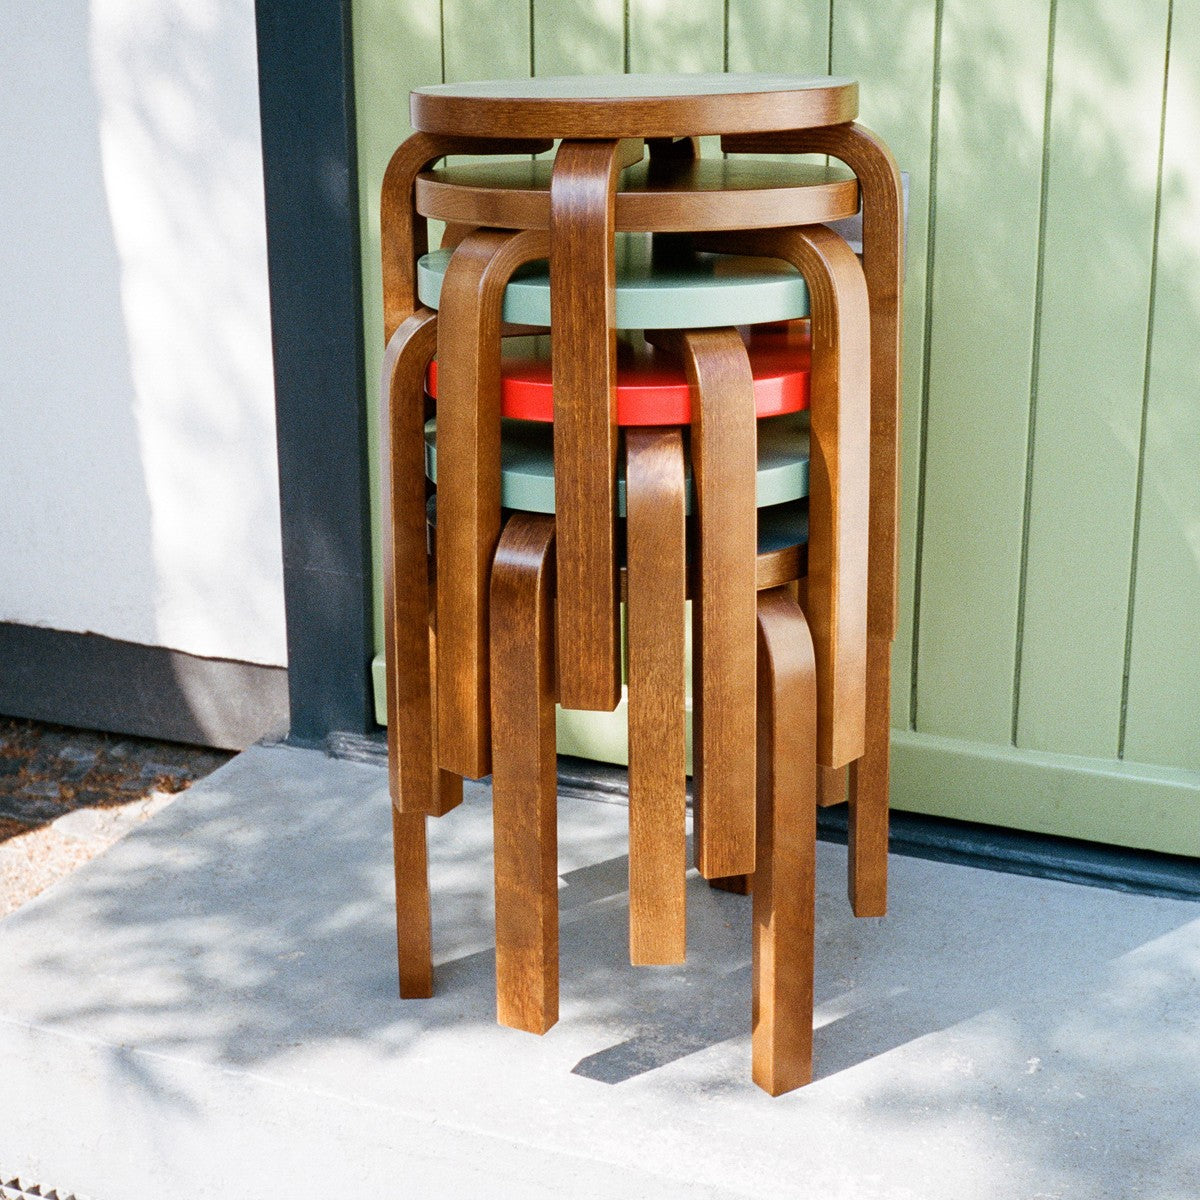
(1047, 672)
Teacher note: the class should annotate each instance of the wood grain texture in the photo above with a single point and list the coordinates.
(414, 938)
(839, 480)
(562, 107)
(660, 195)
(883, 266)
(869, 783)
(403, 231)
(656, 573)
(785, 876)
(414, 781)
(724, 433)
(469, 484)
(584, 352)
(524, 778)
(832, 783)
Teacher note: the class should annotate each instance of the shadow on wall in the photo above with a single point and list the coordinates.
(75, 525)
(146, 498)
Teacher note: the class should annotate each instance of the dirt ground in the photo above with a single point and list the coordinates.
(66, 795)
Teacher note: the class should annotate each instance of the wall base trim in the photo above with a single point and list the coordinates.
(1137, 805)
(95, 682)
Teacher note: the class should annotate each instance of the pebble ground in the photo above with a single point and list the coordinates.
(66, 795)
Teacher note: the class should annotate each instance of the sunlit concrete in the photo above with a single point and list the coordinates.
(210, 1010)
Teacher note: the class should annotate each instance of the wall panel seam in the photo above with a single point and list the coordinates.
(1035, 359)
(1141, 463)
(926, 345)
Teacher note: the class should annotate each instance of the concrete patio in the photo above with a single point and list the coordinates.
(209, 1010)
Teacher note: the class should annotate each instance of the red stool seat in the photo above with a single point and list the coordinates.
(652, 388)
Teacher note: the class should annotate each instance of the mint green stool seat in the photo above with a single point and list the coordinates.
(657, 290)
(527, 463)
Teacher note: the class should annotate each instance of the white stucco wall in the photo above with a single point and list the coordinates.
(138, 490)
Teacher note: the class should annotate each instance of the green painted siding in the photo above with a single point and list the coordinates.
(1047, 669)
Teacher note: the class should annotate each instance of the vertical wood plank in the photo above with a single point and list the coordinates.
(787, 36)
(485, 39)
(676, 35)
(1163, 709)
(895, 76)
(578, 37)
(1097, 253)
(524, 780)
(990, 123)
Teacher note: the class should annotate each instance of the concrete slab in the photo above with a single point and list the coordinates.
(209, 1010)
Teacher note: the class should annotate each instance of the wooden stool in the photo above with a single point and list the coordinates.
(883, 262)
(666, 294)
(591, 115)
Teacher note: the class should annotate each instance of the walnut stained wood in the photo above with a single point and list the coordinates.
(524, 778)
(469, 484)
(584, 355)
(416, 784)
(687, 196)
(622, 106)
(403, 231)
(838, 490)
(414, 939)
(883, 262)
(785, 877)
(724, 431)
(656, 574)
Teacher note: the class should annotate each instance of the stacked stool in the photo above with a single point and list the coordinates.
(531, 613)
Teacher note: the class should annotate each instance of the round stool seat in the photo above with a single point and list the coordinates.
(663, 290)
(622, 106)
(527, 463)
(652, 389)
(700, 195)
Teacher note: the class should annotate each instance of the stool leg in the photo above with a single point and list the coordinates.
(831, 782)
(724, 438)
(403, 232)
(785, 878)
(883, 263)
(868, 817)
(469, 482)
(839, 508)
(414, 782)
(656, 591)
(414, 944)
(584, 356)
(524, 778)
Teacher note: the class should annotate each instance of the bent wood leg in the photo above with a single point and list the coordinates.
(868, 157)
(838, 540)
(403, 231)
(524, 777)
(469, 483)
(868, 815)
(724, 464)
(656, 587)
(414, 782)
(831, 782)
(785, 878)
(414, 941)
(583, 355)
